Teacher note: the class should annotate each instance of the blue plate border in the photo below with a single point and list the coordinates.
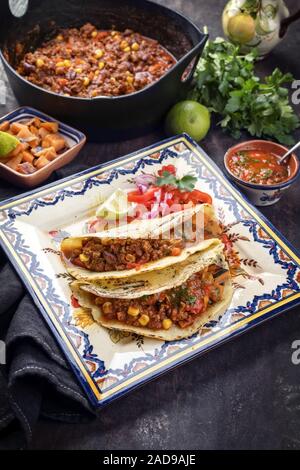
(239, 327)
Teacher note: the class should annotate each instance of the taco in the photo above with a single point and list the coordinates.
(169, 304)
(141, 246)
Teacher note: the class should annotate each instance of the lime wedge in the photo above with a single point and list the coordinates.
(115, 207)
(8, 143)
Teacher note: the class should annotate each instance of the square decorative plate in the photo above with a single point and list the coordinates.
(265, 268)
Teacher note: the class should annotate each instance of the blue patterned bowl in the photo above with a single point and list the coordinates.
(260, 194)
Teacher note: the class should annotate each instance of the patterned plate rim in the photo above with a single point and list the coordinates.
(96, 397)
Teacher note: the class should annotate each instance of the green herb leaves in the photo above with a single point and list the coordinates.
(187, 183)
(181, 294)
(225, 82)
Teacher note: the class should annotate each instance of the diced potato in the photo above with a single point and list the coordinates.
(34, 122)
(14, 161)
(26, 168)
(16, 127)
(17, 150)
(41, 162)
(25, 133)
(50, 126)
(54, 140)
(70, 244)
(48, 152)
(34, 130)
(25, 145)
(27, 157)
(34, 143)
(37, 122)
(4, 126)
(43, 132)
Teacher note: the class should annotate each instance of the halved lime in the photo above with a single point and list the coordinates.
(8, 143)
(115, 207)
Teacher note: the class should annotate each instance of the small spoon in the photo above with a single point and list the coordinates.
(284, 159)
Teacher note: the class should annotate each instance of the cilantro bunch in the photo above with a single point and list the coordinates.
(225, 82)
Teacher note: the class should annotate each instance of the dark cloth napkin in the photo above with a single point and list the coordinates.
(36, 380)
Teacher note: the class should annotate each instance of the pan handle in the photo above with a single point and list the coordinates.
(186, 65)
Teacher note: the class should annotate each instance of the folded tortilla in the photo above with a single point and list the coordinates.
(154, 282)
(147, 230)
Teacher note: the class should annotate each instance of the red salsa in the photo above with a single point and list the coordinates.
(258, 167)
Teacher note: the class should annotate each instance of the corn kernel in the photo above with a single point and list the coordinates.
(61, 63)
(124, 44)
(78, 70)
(167, 323)
(98, 53)
(107, 307)
(67, 63)
(39, 62)
(144, 320)
(94, 34)
(135, 46)
(86, 81)
(70, 244)
(130, 79)
(95, 93)
(113, 33)
(126, 49)
(133, 311)
(101, 65)
(59, 37)
(84, 258)
(96, 73)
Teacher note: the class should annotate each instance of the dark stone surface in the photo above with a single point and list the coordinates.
(244, 394)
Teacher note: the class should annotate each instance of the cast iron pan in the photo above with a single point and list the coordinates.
(103, 118)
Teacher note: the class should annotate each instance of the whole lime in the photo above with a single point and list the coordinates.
(190, 117)
(241, 28)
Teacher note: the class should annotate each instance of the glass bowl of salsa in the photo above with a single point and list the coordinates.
(254, 167)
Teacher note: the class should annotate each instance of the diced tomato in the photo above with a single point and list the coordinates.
(175, 251)
(136, 196)
(197, 307)
(197, 197)
(74, 302)
(167, 169)
(188, 197)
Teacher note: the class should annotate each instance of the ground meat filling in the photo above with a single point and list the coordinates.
(180, 306)
(101, 255)
(87, 62)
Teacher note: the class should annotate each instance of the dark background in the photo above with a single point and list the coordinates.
(244, 394)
